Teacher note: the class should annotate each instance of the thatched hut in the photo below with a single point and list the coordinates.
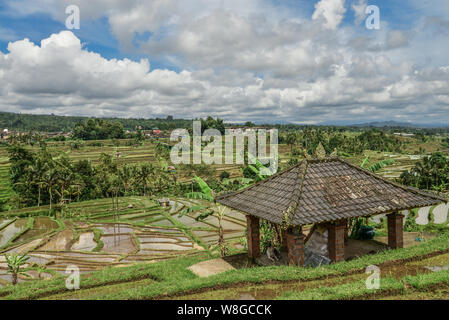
(324, 191)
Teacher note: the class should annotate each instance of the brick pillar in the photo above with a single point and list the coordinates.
(253, 237)
(395, 231)
(336, 240)
(284, 240)
(295, 244)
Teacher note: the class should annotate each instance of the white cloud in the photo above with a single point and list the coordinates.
(239, 61)
(332, 11)
(359, 11)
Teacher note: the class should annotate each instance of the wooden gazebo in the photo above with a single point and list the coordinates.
(328, 190)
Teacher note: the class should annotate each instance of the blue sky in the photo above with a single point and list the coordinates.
(300, 61)
(97, 35)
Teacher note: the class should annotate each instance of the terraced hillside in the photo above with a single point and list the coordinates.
(92, 237)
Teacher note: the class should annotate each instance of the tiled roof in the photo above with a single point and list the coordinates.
(322, 190)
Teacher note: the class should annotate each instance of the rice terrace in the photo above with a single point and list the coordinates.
(222, 158)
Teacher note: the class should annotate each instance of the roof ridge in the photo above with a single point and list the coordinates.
(227, 194)
(307, 160)
(294, 200)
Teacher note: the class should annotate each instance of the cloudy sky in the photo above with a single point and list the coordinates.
(301, 61)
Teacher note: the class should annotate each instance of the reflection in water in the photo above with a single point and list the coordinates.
(11, 230)
(41, 226)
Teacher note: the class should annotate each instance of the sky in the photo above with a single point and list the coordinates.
(298, 61)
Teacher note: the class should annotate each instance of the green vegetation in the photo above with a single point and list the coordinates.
(97, 129)
(430, 173)
(173, 278)
(15, 263)
(102, 178)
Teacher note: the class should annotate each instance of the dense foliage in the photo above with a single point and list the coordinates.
(40, 178)
(309, 138)
(431, 172)
(98, 129)
(53, 123)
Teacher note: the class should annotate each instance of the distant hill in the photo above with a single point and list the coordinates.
(381, 124)
(53, 123)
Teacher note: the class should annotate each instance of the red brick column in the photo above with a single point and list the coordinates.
(295, 244)
(336, 240)
(253, 237)
(395, 230)
(284, 240)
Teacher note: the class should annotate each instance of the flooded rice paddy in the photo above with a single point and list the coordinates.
(143, 232)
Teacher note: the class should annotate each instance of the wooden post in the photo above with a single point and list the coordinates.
(336, 240)
(253, 237)
(295, 244)
(395, 230)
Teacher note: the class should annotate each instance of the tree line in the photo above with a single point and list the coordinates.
(309, 138)
(40, 178)
(430, 173)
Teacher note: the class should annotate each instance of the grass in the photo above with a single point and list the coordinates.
(173, 278)
(97, 238)
(359, 290)
(345, 291)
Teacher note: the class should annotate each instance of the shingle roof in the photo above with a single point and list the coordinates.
(322, 190)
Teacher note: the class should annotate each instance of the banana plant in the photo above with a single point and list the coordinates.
(258, 168)
(15, 263)
(378, 165)
(207, 210)
(206, 192)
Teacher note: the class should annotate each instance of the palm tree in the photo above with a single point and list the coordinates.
(50, 179)
(37, 170)
(291, 140)
(127, 174)
(15, 263)
(143, 176)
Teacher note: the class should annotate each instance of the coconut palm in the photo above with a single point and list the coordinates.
(143, 176)
(37, 170)
(291, 140)
(51, 177)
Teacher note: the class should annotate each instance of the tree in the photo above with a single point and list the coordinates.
(38, 169)
(431, 172)
(211, 123)
(15, 263)
(205, 211)
(291, 140)
(50, 180)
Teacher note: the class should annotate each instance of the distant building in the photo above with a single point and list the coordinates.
(403, 134)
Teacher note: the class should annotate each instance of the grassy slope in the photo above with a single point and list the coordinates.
(173, 278)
